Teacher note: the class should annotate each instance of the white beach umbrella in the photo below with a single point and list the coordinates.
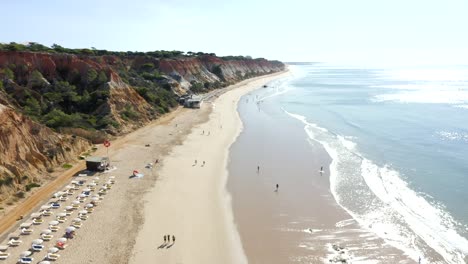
(13, 235)
(38, 241)
(53, 223)
(68, 207)
(76, 220)
(62, 240)
(86, 190)
(46, 231)
(92, 184)
(45, 207)
(76, 202)
(53, 250)
(95, 199)
(89, 206)
(44, 262)
(112, 177)
(26, 225)
(83, 212)
(82, 195)
(70, 229)
(96, 178)
(36, 215)
(62, 214)
(109, 182)
(25, 254)
(74, 182)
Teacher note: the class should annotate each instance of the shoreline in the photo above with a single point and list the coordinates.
(191, 200)
(302, 220)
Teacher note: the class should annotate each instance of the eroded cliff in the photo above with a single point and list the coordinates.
(29, 151)
(50, 100)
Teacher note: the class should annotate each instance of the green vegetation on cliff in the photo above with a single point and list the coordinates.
(80, 91)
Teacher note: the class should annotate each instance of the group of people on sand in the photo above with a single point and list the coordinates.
(167, 239)
(195, 163)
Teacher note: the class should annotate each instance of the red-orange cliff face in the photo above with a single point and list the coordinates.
(28, 150)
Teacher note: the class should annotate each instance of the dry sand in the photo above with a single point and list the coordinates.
(188, 202)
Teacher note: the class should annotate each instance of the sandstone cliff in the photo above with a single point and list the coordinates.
(28, 151)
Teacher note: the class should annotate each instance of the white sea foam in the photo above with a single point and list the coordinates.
(462, 106)
(453, 136)
(378, 198)
(456, 97)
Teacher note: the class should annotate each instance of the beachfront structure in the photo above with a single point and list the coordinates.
(97, 163)
(192, 102)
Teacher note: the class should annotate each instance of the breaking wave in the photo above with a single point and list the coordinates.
(382, 202)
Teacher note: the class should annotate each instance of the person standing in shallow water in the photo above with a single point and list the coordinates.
(258, 169)
(277, 187)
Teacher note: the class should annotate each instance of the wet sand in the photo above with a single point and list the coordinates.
(301, 221)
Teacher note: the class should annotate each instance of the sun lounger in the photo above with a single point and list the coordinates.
(46, 213)
(55, 205)
(26, 231)
(46, 237)
(37, 221)
(26, 260)
(35, 247)
(14, 242)
(4, 255)
(52, 256)
(54, 228)
(83, 216)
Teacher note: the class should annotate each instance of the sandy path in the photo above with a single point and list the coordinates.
(190, 200)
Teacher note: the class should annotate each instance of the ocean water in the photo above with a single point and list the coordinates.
(398, 138)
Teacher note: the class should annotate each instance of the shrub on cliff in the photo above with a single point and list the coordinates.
(57, 118)
(196, 87)
(32, 107)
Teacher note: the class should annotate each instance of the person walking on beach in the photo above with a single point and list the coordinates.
(195, 162)
(203, 133)
(164, 239)
(203, 163)
(277, 187)
(173, 239)
(208, 133)
(258, 169)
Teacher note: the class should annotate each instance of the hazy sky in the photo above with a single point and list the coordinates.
(355, 31)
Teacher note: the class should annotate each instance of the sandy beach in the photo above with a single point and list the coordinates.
(174, 197)
(189, 200)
